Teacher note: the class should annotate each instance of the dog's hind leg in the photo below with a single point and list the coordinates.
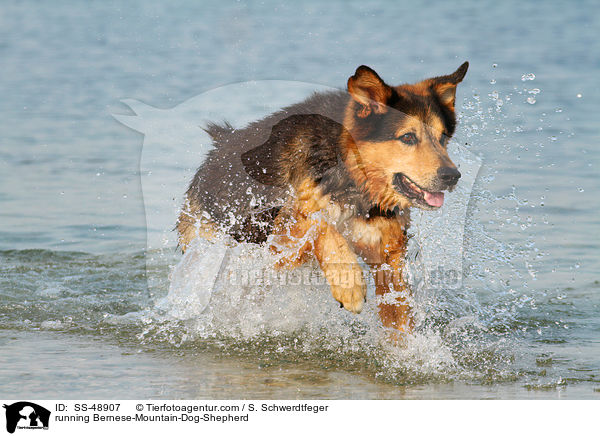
(191, 225)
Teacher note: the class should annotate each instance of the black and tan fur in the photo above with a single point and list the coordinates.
(333, 177)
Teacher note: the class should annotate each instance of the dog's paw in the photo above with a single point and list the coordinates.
(349, 289)
(353, 304)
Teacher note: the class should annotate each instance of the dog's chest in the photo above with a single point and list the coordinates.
(372, 238)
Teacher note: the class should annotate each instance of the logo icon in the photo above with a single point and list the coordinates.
(26, 415)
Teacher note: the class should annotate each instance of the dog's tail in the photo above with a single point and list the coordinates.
(219, 132)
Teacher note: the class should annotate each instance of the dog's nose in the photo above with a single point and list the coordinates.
(448, 175)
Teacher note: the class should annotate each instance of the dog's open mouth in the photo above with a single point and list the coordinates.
(410, 189)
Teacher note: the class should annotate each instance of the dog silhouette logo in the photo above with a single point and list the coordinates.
(26, 415)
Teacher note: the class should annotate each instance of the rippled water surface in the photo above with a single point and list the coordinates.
(86, 306)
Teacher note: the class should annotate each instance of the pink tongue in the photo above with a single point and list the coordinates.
(435, 199)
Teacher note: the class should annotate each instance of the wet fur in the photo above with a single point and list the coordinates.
(317, 179)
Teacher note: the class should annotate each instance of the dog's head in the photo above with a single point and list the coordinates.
(397, 138)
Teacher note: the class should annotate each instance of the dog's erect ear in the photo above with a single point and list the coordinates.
(367, 89)
(445, 86)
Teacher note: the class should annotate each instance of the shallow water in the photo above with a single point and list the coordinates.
(85, 309)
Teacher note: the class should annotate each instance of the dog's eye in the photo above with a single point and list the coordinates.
(409, 138)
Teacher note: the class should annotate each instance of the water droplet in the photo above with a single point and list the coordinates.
(580, 189)
(579, 96)
(494, 65)
(531, 100)
(528, 76)
(558, 110)
(124, 195)
(493, 81)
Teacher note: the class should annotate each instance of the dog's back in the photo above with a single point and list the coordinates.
(243, 183)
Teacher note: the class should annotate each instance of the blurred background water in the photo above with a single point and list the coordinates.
(74, 300)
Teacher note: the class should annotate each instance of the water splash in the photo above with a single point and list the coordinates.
(528, 76)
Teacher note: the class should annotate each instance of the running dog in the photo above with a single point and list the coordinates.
(333, 177)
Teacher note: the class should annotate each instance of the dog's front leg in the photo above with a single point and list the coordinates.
(393, 293)
(386, 259)
(340, 266)
(294, 242)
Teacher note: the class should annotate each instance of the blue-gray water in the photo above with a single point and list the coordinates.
(74, 299)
